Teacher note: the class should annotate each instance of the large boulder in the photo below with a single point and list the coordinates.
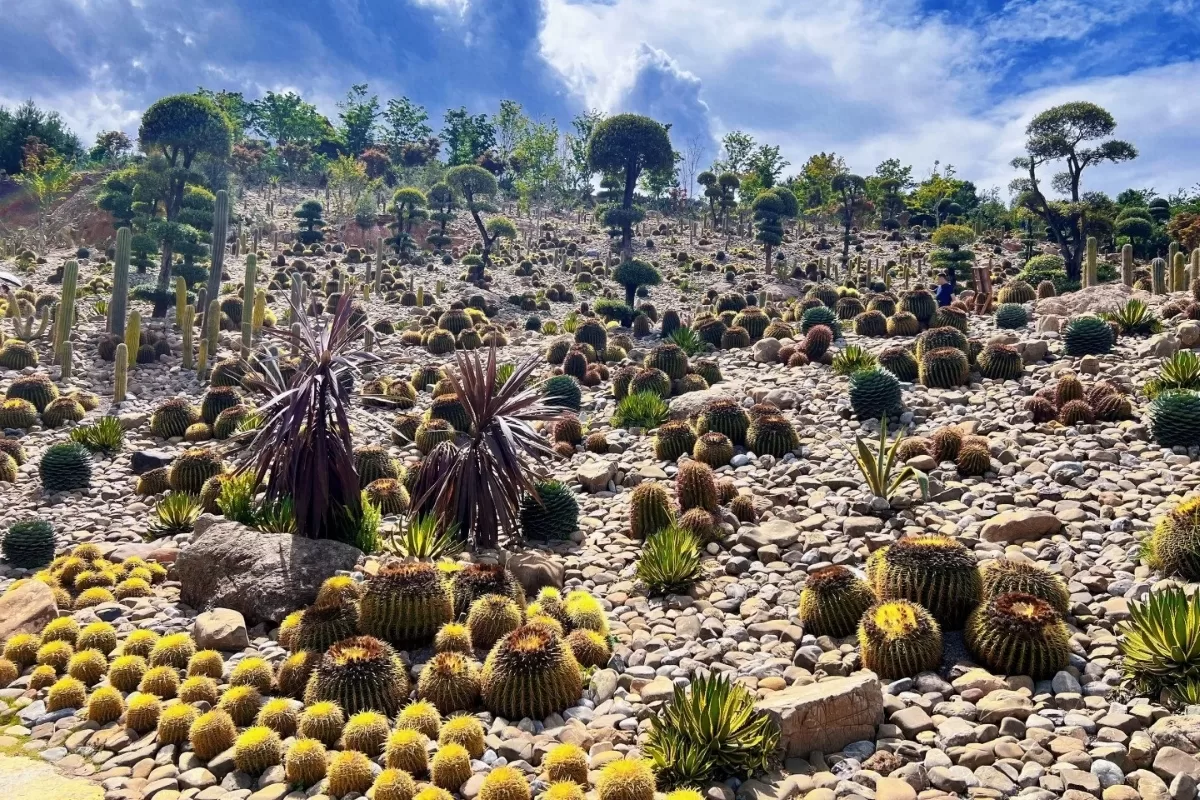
(264, 576)
(1020, 525)
(827, 715)
(26, 609)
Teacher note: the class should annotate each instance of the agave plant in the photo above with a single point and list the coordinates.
(103, 436)
(503, 373)
(670, 561)
(303, 449)
(550, 328)
(851, 359)
(477, 482)
(877, 465)
(424, 537)
(1161, 645)
(175, 513)
(1134, 318)
(709, 732)
(640, 410)
(687, 340)
(1180, 371)
(276, 517)
(571, 322)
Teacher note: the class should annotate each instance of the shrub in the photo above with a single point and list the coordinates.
(1047, 267)
(711, 731)
(670, 561)
(1161, 645)
(640, 410)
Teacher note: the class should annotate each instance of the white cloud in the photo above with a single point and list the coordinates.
(878, 80)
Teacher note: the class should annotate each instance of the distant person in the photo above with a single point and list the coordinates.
(945, 289)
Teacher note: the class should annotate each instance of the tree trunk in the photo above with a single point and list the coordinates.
(629, 295)
(627, 204)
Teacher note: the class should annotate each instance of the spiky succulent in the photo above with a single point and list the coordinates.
(899, 639)
(530, 673)
(172, 418)
(142, 712)
(323, 721)
(190, 469)
(305, 762)
(1000, 362)
(771, 435)
(65, 466)
(816, 343)
(1010, 316)
(29, 543)
(405, 604)
(937, 572)
(589, 648)
(903, 323)
(476, 581)
(359, 673)
(17, 413)
(1087, 335)
(870, 323)
(944, 368)
(1018, 634)
(724, 416)
(1175, 418)
(365, 732)
(696, 486)
(672, 440)
(875, 393)
(670, 561)
(832, 602)
(405, 749)
(552, 515)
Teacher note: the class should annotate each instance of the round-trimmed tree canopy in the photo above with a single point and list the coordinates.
(472, 181)
(953, 236)
(629, 141)
(185, 125)
(787, 198)
(501, 227)
(407, 195)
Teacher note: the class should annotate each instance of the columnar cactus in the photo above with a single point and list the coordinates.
(120, 289)
(133, 335)
(248, 302)
(180, 299)
(66, 306)
(120, 373)
(187, 321)
(1178, 274)
(1089, 264)
(220, 232)
(212, 322)
(378, 265)
(1127, 265)
(1158, 273)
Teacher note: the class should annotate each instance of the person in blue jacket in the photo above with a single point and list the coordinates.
(945, 288)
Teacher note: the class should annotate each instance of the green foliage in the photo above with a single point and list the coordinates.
(875, 393)
(552, 515)
(670, 561)
(877, 466)
(103, 436)
(711, 731)
(184, 126)
(640, 410)
(686, 340)
(953, 237)
(1087, 335)
(1048, 267)
(1135, 318)
(425, 538)
(852, 359)
(1161, 645)
(175, 513)
(1180, 371)
(1010, 316)
(633, 274)
(613, 311)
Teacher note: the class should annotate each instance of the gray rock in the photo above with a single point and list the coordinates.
(265, 576)
(828, 715)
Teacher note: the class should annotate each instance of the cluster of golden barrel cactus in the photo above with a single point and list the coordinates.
(1010, 612)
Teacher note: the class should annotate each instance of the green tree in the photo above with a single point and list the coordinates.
(47, 127)
(628, 144)
(656, 182)
(1076, 134)
(359, 115)
(238, 111)
(579, 172)
(441, 200)
(348, 181)
(181, 128)
(116, 197)
(850, 189)
(111, 147)
(404, 123)
(409, 206)
(768, 222)
(467, 137)
(767, 163)
(814, 186)
(477, 187)
(634, 274)
(738, 148)
(286, 117)
(47, 177)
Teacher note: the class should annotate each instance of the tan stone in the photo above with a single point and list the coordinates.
(26, 609)
(827, 715)
(1020, 525)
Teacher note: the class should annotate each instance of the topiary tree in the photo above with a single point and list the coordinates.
(180, 128)
(851, 188)
(310, 214)
(476, 186)
(628, 144)
(727, 185)
(952, 238)
(1070, 133)
(632, 274)
(408, 204)
(768, 215)
(1136, 224)
(441, 200)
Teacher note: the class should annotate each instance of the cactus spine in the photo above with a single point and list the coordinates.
(186, 325)
(66, 306)
(248, 302)
(133, 334)
(120, 289)
(1127, 265)
(1089, 271)
(120, 373)
(220, 232)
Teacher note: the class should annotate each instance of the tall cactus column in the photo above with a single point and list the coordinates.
(119, 302)
(220, 233)
(66, 308)
(378, 265)
(1127, 265)
(1089, 264)
(1158, 276)
(1178, 273)
(248, 303)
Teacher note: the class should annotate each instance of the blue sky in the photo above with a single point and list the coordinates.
(920, 80)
